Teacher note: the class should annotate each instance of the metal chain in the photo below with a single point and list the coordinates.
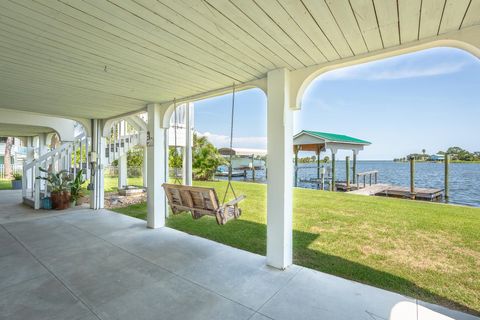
(229, 184)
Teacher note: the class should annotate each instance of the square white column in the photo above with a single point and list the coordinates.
(42, 144)
(97, 198)
(156, 173)
(280, 170)
(122, 171)
(144, 167)
(187, 154)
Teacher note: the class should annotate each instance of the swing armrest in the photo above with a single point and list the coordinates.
(234, 201)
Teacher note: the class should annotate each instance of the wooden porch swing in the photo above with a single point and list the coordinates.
(203, 201)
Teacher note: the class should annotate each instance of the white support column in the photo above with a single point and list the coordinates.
(30, 157)
(98, 146)
(156, 151)
(187, 154)
(280, 170)
(122, 171)
(144, 167)
(42, 144)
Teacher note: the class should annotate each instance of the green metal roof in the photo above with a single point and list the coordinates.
(333, 137)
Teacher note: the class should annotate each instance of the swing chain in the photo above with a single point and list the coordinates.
(229, 184)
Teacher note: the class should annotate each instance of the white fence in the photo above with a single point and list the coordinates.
(16, 168)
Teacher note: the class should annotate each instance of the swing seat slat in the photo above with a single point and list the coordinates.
(201, 201)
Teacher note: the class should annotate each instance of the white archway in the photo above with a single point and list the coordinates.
(466, 39)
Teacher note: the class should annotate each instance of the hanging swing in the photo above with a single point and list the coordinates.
(203, 201)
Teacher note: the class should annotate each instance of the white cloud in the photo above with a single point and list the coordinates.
(389, 72)
(220, 141)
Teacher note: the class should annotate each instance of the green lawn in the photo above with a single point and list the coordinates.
(111, 183)
(425, 250)
(5, 184)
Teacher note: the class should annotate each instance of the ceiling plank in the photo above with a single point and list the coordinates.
(345, 20)
(45, 47)
(271, 46)
(290, 27)
(387, 16)
(453, 15)
(409, 15)
(472, 17)
(326, 22)
(116, 43)
(365, 15)
(430, 18)
(305, 21)
(220, 31)
(255, 13)
(152, 27)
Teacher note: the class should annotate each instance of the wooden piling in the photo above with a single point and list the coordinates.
(318, 162)
(332, 186)
(447, 162)
(347, 172)
(354, 168)
(412, 177)
(253, 167)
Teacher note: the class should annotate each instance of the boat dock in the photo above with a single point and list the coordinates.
(387, 190)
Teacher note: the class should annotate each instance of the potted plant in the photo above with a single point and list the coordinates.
(58, 184)
(76, 188)
(17, 181)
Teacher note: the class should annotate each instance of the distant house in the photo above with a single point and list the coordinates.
(19, 152)
(18, 155)
(436, 157)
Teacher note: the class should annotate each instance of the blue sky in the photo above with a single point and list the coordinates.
(429, 99)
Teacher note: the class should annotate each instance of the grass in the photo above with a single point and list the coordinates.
(425, 250)
(111, 183)
(5, 184)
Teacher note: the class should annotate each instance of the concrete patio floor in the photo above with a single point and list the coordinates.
(102, 265)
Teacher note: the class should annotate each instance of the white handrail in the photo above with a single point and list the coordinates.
(55, 160)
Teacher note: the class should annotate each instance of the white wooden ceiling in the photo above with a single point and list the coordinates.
(14, 130)
(96, 58)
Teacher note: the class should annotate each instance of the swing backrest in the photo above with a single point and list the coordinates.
(188, 198)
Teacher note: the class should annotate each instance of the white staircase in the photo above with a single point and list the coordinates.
(64, 157)
(120, 145)
(73, 156)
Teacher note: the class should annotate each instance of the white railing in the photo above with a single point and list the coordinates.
(70, 156)
(16, 168)
(120, 145)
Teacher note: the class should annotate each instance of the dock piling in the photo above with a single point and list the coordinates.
(332, 187)
(447, 162)
(412, 177)
(347, 172)
(354, 168)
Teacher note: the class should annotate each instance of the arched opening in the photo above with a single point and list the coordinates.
(412, 105)
(125, 161)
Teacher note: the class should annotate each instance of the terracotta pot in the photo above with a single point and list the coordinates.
(60, 200)
(56, 200)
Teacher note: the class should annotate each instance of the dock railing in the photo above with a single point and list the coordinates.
(371, 174)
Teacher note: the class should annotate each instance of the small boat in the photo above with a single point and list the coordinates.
(222, 171)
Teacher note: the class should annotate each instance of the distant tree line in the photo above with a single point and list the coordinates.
(456, 154)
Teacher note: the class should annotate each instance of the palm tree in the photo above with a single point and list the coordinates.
(424, 151)
(7, 160)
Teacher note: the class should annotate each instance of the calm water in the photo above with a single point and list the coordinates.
(464, 177)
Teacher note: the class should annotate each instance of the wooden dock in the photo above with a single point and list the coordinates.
(386, 190)
(426, 194)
